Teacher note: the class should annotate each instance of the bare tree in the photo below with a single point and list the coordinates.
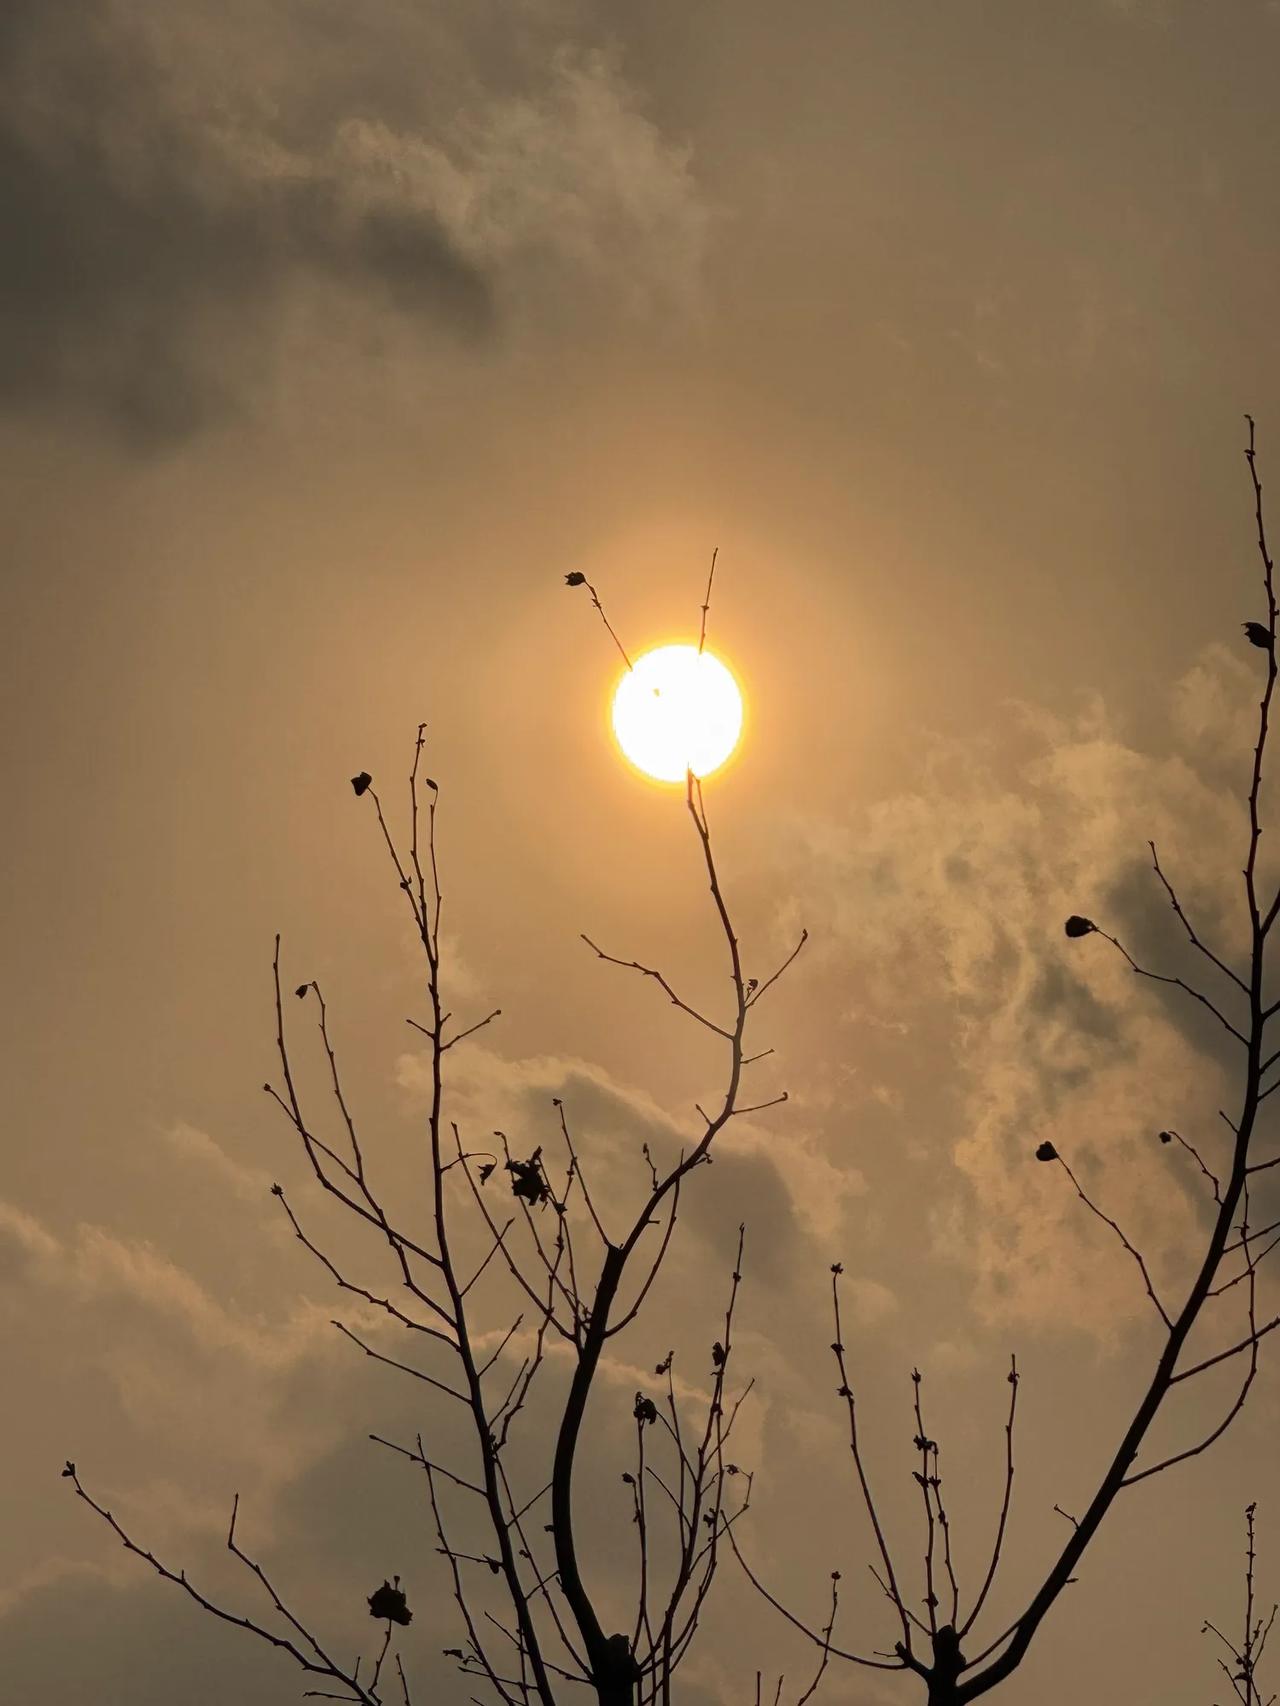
(938, 1638)
(580, 1283)
(1240, 1667)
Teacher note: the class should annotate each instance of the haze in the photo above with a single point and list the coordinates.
(331, 340)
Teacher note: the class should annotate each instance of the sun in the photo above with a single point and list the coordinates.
(677, 709)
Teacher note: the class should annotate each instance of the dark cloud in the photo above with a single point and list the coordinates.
(140, 277)
(81, 1641)
(203, 207)
(745, 1187)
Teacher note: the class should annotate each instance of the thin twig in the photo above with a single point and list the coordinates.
(595, 599)
(1014, 1378)
(1107, 1220)
(706, 602)
(1175, 982)
(1195, 941)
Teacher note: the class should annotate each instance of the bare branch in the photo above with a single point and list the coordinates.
(1107, 1221)
(1242, 1672)
(460, 1597)
(319, 1665)
(404, 1367)
(899, 1662)
(1013, 1379)
(660, 980)
(706, 602)
(1177, 983)
(1176, 1137)
(1195, 941)
(924, 1445)
(470, 1030)
(330, 1267)
(759, 989)
(417, 1457)
(826, 1642)
(576, 1167)
(846, 1392)
(655, 1265)
(759, 1107)
(1249, 1342)
(579, 579)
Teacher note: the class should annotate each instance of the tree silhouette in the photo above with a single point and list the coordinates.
(583, 1276)
(1240, 1667)
(581, 1282)
(937, 1633)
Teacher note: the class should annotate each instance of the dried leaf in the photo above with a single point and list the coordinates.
(389, 1602)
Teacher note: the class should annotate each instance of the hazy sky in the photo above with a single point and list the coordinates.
(331, 338)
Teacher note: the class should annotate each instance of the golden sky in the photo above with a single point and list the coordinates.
(331, 339)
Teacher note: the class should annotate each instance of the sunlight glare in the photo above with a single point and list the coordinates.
(677, 710)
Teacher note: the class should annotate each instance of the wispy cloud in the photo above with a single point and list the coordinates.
(947, 906)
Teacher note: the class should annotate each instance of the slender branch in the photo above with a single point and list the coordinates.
(846, 1392)
(756, 990)
(1195, 941)
(493, 1251)
(706, 602)
(1238, 1279)
(826, 1642)
(579, 579)
(426, 1462)
(1013, 1379)
(925, 1446)
(654, 1266)
(1194, 1153)
(1107, 1220)
(462, 1035)
(1242, 1672)
(648, 971)
(759, 1107)
(404, 1367)
(578, 1173)
(900, 1661)
(1175, 982)
(1246, 1655)
(319, 1665)
(1249, 1342)
(339, 1279)
(477, 1647)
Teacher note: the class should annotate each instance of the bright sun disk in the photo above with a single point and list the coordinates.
(677, 709)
